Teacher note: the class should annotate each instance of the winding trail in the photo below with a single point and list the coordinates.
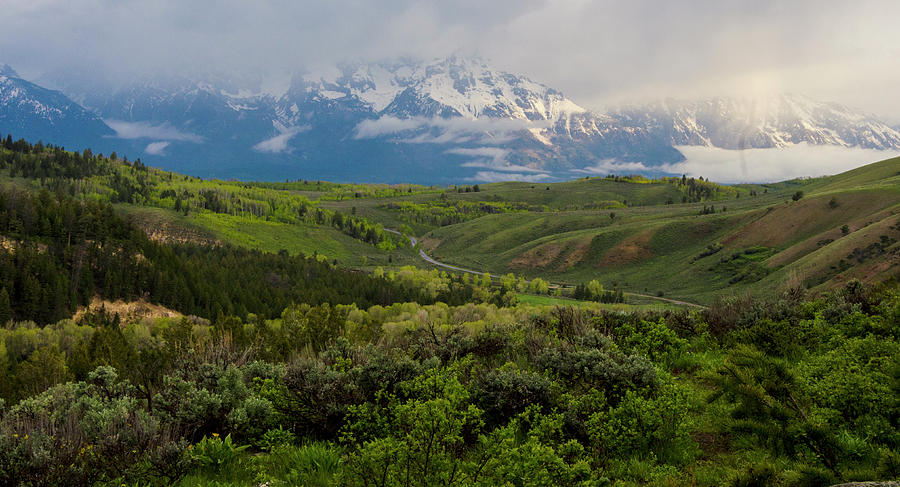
(427, 258)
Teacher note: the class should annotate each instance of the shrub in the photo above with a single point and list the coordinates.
(599, 366)
(640, 424)
(274, 438)
(506, 392)
(652, 339)
(86, 432)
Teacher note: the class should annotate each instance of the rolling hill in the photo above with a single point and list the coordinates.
(843, 227)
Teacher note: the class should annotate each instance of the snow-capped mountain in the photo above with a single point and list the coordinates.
(443, 120)
(465, 103)
(742, 123)
(27, 109)
(451, 87)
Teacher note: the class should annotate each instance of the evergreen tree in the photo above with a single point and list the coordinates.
(5, 307)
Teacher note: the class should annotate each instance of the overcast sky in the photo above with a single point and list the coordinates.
(596, 52)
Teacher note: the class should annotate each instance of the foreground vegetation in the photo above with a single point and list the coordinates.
(792, 392)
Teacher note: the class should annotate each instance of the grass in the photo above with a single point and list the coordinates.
(597, 193)
(313, 464)
(637, 304)
(261, 234)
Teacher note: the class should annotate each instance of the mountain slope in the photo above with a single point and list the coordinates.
(745, 123)
(27, 109)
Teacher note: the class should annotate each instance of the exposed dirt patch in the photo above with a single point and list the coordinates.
(538, 257)
(164, 231)
(167, 236)
(128, 311)
(884, 268)
(628, 251)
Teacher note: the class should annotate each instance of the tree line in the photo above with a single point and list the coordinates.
(89, 176)
(58, 252)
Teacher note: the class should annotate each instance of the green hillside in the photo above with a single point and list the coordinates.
(683, 252)
(685, 238)
(172, 207)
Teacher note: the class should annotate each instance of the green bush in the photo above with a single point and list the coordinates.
(596, 363)
(506, 392)
(645, 426)
(275, 438)
(86, 432)
(652, 339)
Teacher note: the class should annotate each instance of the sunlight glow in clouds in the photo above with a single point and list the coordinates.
(770, 165)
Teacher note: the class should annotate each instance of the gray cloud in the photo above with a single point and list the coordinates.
(598, 52)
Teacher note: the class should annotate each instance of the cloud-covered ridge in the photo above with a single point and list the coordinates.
(147, 130)
(437, 130)
(499, 177)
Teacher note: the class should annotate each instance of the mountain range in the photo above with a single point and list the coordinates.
(447, 120)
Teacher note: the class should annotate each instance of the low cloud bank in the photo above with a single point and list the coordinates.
(437, 130)
(771, 165)
(611, 166)
(499, 177)
(147, 130)
(493, 158)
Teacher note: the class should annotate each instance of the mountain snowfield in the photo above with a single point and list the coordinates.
(446, 120)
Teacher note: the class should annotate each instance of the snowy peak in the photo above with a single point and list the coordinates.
(449, 87)
(777, 121)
